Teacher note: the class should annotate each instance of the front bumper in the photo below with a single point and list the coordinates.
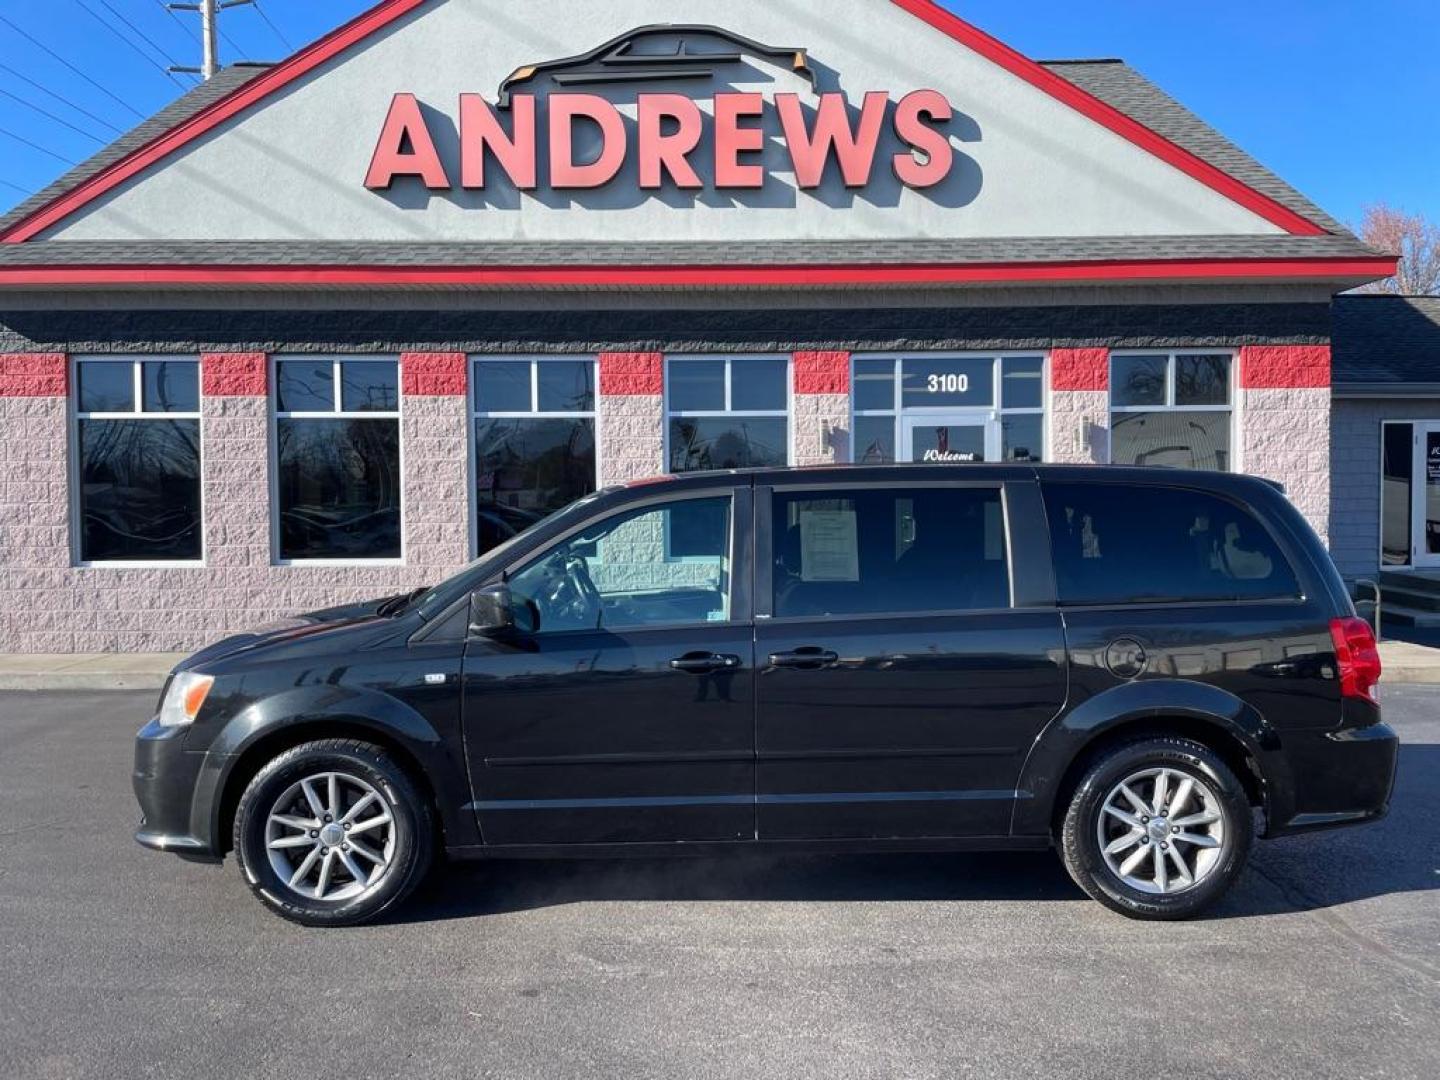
(165, 778)
(1336, 778)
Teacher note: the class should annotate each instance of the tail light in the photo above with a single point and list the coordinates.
(1358, 657)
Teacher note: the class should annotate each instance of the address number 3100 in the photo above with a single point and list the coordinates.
(950, 383)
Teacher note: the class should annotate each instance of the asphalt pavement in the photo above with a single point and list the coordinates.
(121, 963)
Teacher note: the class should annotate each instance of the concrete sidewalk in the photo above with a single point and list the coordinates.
(86, 671)
(1403, 661)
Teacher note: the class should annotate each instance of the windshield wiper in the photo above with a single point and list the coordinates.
(397, 604)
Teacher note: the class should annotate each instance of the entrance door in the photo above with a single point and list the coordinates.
(951, 438)
(1425, 491)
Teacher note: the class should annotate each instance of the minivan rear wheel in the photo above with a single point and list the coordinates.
(1157, 829)
(332, 833)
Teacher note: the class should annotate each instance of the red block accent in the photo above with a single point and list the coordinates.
(1269, 367)
(241, 374)
(438, 374)
(1080, 369)
(33, 375)
(822, 373)
(632, 373)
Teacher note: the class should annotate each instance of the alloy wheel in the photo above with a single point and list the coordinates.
(1162, 830)
(330, 836)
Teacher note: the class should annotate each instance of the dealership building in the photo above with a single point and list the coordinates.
(328, 329)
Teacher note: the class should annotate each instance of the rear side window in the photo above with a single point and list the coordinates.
(871, 551)
(1120, 544)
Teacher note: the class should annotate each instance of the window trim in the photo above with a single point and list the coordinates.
(472, 414)
(765, 544)
(1232, 393)
(75, 509)
(276, 414)
(995, 413)
(787, 413)
(736, 594)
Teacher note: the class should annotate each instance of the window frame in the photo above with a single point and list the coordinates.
(1231, 390)
(738, 598)
(273, 438)
(997, 410)
(765, 545)
(473, 413)
(74, 472)
(787, 413)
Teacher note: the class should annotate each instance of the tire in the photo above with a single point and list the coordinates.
(1147, 892)
(274, 834)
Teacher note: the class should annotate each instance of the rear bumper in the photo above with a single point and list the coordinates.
(1336, 778)
(164, 778)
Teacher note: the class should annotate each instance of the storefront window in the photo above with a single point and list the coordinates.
(1171, 409)
(1396, 492)
(534, 430)
(137, 442)
(337, 443)
(727, 412)
(958, 408)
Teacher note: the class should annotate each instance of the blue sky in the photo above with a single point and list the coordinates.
(1341, 98)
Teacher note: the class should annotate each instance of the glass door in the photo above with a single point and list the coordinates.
(950, 438)
(1425, 513)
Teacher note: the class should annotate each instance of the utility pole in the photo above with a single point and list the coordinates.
(209, 31)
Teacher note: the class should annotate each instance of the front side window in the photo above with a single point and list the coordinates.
(874, 550)
(1123, 544)
(1170, 409)
(534, 431)
(727, 412)
(337, 444)
(615, 575)
(137, 436)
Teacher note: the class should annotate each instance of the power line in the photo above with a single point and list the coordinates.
(48, 114)
(61, 98)
(137, 31)
(35, 145)
(23, 191)
(51, 52)
(136, 48)
(273, 28)
(187, 27)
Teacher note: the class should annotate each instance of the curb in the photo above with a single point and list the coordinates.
(84, 680)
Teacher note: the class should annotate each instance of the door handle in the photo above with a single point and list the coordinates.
(701, 663)
(807, 658)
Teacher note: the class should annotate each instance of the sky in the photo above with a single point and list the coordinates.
(1340, 97)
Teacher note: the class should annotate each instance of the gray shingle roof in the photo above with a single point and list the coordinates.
(1382, 340)
(744, 253)
(178, 111)
(1111, 81)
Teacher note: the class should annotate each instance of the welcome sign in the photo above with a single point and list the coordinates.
(538, 114)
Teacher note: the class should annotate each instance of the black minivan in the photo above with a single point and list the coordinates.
(1132, 665)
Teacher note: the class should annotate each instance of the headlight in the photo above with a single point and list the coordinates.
(187, 693)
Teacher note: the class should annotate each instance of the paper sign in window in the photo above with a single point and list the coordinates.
(829, 550)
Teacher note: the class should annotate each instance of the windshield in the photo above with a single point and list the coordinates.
(468, 580)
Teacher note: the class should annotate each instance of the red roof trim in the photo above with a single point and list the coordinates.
(1368, 268)
(254, 91)
(388, 11)
(1125, 126)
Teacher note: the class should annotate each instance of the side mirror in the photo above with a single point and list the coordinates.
(492, 611)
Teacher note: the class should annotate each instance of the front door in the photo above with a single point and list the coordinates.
(626, 714)
(950, 438)
(1425, 493)
(900, 682)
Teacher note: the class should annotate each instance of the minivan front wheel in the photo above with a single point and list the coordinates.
(1157, 829)
(332, 833)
